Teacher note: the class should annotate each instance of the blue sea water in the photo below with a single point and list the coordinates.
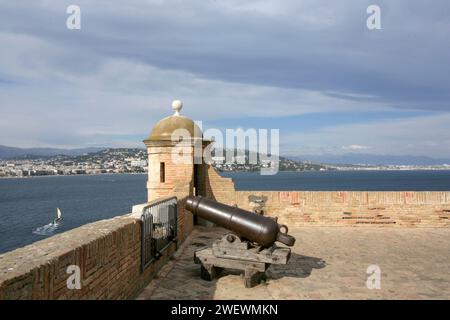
(30, 203)
(392, 180)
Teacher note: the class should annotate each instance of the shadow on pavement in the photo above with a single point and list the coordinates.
(299, 266)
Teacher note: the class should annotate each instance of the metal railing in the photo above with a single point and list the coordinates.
(159, 229)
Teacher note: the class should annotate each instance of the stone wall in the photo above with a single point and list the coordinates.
(219, 188)
(345, 208)
(338, 208)
(108, 253)
(175, 173)
(185, 218)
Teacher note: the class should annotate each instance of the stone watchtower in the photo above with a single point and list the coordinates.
(171, 157)
(174, 167)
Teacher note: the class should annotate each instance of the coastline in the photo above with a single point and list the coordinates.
(344, 170)
(225, 172)
(76, 175)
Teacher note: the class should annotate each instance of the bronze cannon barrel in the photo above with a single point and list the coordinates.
(262, 230)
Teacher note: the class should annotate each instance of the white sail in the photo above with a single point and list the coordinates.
(58, 213)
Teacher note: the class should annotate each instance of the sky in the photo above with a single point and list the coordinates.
(310, 68)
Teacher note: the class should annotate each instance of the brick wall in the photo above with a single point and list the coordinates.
(175, 173)
(185, 218)
(345, 208)
(108, 253)
(178, 178)
(219, 188)
(339, 208)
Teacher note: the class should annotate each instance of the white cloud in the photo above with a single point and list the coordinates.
(424, 135)
(108, 83)
(123, 97)
(355, 147)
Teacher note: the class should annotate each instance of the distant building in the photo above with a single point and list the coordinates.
(218, 159)
(138, 163)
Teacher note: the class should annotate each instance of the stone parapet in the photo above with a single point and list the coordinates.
(351, 208)
(337, 208)
(107, 252)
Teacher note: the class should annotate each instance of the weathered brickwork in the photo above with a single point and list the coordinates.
(175, 174)
(107, 252)
(345, 208)
(219, 188)
(339, 208)
(178, 178)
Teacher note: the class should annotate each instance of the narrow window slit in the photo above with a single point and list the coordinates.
(162, 173)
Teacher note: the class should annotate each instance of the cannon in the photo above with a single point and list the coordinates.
(251, 247)
(251, 226)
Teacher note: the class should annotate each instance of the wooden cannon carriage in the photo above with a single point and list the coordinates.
(251, 248)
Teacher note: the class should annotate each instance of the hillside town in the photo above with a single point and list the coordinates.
(121, 160)
(134, 160)
(106, 161)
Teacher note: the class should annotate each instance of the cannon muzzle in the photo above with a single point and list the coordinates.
(262, 230)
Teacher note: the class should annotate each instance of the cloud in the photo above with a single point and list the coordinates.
(123, 97)
(355, 147)
(422, 135)
(311, 45)
(109, 82)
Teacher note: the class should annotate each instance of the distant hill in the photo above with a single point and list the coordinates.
(11, 152)
(285, 164)
(348, 158)
(371, 159)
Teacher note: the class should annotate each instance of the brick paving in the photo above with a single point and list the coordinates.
(326, 263)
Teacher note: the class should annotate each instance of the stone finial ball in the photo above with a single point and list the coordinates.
(177, 105)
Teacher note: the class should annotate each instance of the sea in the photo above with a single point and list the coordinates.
(28, 205)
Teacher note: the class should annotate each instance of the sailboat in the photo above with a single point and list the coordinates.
(58, 217)
(48, 229)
